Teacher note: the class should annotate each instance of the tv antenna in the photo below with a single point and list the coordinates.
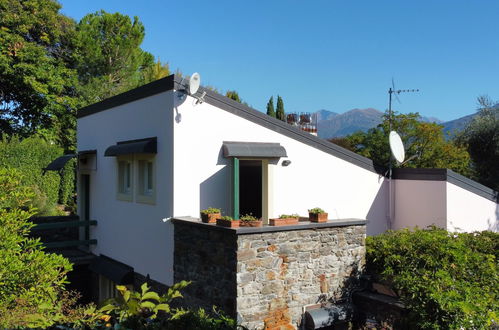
(393, 91)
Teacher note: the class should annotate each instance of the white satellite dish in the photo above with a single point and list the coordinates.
(397, 147)
(194, 82)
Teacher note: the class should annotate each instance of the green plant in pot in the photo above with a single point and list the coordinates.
(250, 221)
(210, 215)
(227, 221)
(317, 215)
(285, 219)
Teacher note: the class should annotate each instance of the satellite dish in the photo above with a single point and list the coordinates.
(194, 82)
(397, 147)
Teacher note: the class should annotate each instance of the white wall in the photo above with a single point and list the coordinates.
(314, 178)
(131, 232)
(419, 203)
(468, 212)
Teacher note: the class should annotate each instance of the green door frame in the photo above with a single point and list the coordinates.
(235, 188)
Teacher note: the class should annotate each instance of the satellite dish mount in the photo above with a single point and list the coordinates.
(191, 87)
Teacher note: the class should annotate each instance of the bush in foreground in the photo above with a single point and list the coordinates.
(446, 280)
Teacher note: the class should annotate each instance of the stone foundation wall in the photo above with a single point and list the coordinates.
(280, 272)
(267, 276)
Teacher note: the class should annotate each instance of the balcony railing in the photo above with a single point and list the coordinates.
(60, 232)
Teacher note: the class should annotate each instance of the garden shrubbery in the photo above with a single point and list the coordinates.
(446, 280)
(29, 156)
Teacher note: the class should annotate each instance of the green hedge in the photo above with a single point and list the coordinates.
(447, 280)
(29, 156)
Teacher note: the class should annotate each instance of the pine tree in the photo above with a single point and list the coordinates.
(234, 96)
(270, 107)
(280, 109)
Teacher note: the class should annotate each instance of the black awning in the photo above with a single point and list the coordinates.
(143, 146)
(253, 150)
(114, 270)
(59, 163)
(87, 152)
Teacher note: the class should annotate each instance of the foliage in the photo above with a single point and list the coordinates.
(270, 107)
(109, 59)
(228, 218)
(32, 280)
(201, 320)
(211, 210)
(316, 210)
(343, 142)
(481, 137)
(233, 95)
(446, 280)
(248, 217)
(154, 72)
(280, 114)
(426, 140)
(36, 82)
(286, 216)
(29, 156)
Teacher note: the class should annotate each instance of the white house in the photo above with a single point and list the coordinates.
(156, 153)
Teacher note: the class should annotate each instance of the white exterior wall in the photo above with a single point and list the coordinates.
(468, 212)
(131, 232)
(419, 203)
(313, 179)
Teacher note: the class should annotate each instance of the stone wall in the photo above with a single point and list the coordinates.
(267, 276)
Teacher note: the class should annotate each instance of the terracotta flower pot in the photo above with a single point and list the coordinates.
(317, 217)
(210, 218)
(228, 223)
(283, 221)
(257, 223)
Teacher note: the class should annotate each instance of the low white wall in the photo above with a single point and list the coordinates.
(313, 179)
(131, 232)
(468, 212)
(419, 203)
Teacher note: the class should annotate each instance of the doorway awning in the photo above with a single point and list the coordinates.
(253, 150)
(59, 163)
(142, 146)
(115, 271)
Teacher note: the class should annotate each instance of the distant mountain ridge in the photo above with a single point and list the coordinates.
(332, 124)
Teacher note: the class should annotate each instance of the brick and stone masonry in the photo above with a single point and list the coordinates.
(267, 276)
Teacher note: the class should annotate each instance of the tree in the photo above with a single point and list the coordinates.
(426, 140)
(481, 138)
(280, 114)
(36, 82)
(234, 96)
(109, 58)
(154, 72)
(31, 279)
(270, 107)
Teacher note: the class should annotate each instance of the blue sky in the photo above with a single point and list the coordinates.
(334, 55)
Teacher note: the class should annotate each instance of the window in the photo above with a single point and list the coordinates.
(146, 178)
(107, 289)
(125, 179)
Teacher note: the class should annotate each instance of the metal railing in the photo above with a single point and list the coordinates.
(62, 231)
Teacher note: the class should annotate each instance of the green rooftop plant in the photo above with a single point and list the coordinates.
(210, 210)
(285, 216)
(227, 217)
(316, 210)
(248, 217)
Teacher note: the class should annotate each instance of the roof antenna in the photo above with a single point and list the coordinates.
(192, 86)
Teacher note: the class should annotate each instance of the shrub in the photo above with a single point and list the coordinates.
(286, 216)
(31, 280)
(248, 217)
(228, 218)
(210, 210)
(29, 156)
(447, 280)
(316, 210)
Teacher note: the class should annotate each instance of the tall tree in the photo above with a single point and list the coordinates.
(234, 96)
(110, 60)
(481, 138)
(154, 72)
(280, 114)
(426, 140)
(36, 81)
(270, 107)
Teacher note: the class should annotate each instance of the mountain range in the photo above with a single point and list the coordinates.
(332, 124)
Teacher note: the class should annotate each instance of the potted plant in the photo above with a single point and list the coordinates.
(249, 221)
(210, 215)
(317, 215)
(285, 219)
(227, 221)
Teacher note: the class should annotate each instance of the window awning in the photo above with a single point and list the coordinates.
(143, 146)
(253, 150)
(59, 163)
(115, 271)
